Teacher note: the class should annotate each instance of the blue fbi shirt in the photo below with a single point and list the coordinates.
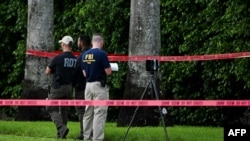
(94, 63)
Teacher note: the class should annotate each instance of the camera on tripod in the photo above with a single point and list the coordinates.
(152, 65)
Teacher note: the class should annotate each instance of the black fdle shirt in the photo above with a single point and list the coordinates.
(63, 67)
(79, 80)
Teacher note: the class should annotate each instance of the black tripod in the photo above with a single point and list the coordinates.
(154, 90)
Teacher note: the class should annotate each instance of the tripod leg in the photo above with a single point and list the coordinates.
(135, 112)
(160, 111)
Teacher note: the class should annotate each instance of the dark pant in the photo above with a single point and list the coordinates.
(59, 115)
(79, 95)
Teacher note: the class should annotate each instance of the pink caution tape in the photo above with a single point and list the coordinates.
(159, 58)
(70, 102)
(34, 102)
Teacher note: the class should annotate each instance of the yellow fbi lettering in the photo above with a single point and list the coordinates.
(89, 58)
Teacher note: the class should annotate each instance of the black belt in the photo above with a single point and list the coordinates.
(94, 81)
(65, 83)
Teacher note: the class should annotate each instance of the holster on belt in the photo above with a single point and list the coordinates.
(55, 84)
(103, 82)
(49, 87)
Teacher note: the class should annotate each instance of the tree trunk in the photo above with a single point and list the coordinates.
(40, 37)
(144, 39)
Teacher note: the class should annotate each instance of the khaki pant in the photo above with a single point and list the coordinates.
(95, 116)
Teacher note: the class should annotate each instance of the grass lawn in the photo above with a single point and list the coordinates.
(45, 131)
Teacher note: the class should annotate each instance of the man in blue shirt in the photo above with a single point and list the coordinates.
(96, 67)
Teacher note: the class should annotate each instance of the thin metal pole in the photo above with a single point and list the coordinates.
(153, 86)
(160, 111)
(135, 112)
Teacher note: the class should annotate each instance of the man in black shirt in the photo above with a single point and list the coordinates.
(80, 81)
(63, 68)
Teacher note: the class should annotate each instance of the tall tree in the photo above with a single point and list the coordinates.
(144, 39)
(40, 37)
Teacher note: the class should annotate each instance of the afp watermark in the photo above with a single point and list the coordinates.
(240, 133)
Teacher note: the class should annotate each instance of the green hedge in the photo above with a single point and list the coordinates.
(206, 27)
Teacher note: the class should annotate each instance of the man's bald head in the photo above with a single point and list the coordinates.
(97, 41)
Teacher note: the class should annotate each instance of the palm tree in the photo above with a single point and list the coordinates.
(144, 39)
(40, 38)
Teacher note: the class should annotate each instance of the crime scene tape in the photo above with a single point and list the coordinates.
(159, 58)
(113, 57)
(71, 102)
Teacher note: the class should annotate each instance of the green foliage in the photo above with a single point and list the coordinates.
(15, 76)
(188, 27)
(111, 18)
(205, 27)
(12, 45)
